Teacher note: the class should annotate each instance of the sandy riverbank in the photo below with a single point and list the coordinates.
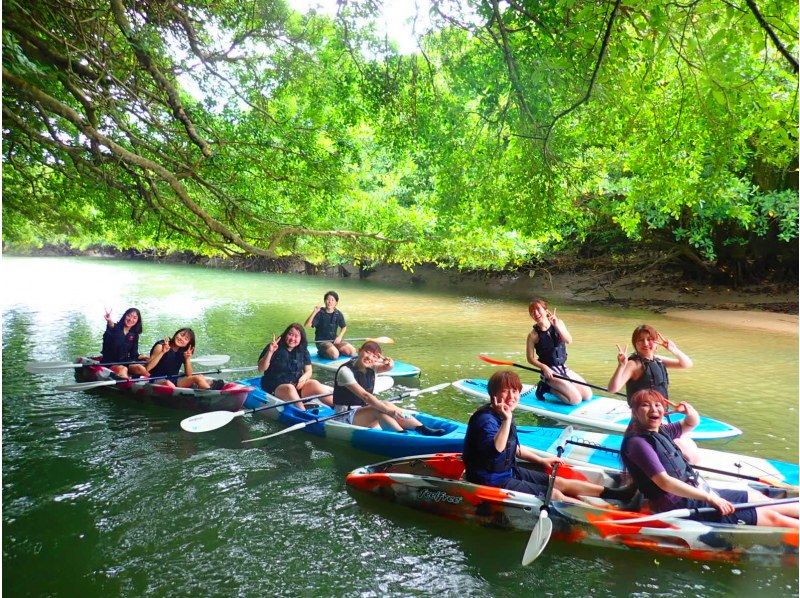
(757, 320)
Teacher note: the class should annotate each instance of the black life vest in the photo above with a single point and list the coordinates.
(550, 348)
(671, 457)
(342, 395)
(654, 377)
(169, 364)
(477, 460)
(326, 325)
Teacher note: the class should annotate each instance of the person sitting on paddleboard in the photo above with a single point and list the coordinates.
(352, 392)
(643, 369)
(663, 475)
(491, 450)
(121, 343)
(326, 322)
(546, 349)
(286, 364)
(167, 357)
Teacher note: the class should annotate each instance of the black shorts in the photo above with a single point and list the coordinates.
(528, 481)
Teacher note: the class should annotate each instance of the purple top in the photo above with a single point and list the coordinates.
(642, 454)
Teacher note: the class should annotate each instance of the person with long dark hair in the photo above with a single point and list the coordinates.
(286, 364)
(167, 357)
(121, 343)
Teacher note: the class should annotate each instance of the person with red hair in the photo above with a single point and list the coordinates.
(668, 480)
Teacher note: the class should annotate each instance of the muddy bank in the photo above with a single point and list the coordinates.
(661, 289)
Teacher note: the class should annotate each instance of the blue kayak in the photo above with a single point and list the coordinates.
(372, 440)
(401, 369)
(601, 413)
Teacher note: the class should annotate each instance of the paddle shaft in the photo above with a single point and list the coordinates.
(405, 395)
(567, 378)
(683, 513)
(700, 467)
(98, 384)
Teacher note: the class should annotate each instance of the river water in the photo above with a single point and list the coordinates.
(104, 496)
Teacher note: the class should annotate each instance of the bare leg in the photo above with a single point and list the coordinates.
(200, 381)
(566, 391)
(288, 392)
(137, 369)
(688, 448)
(315, 387)
(346, 348)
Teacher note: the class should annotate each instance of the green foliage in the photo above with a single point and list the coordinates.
(505, 139)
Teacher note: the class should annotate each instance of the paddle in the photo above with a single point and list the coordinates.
(532, 369)
(381, 340)
(100, 383)
(543, 528)
(682, 513)
(301, 425)
(205, 422)
(768, 482)
(44, 366)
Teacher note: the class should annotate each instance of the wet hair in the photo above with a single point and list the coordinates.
(137, 328)
(502, 380)
(333, 294)
(370, 346)
(188, 331)
(534, 303)
(300, 329)
(640, 331)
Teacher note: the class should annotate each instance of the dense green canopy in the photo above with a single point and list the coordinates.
(519, 127)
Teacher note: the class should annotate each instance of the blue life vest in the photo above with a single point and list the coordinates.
(654, 377)
(342, 395)
(550, 348)
(671, 457)
(482, 467)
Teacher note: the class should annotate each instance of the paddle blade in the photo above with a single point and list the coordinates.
(34, 367)
(539, 538)
(382, 384)
(299, 426)
(436, 388)
(205, 422)
(382, 340)
(211, 360)
(488, 359)
(88, 385)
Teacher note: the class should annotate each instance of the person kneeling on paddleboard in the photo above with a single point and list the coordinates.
(329, 328)
(491, 450)
(659, 468)
(352, 392)
(546, 349)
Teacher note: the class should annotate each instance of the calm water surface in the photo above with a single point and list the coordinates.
(103, 496)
